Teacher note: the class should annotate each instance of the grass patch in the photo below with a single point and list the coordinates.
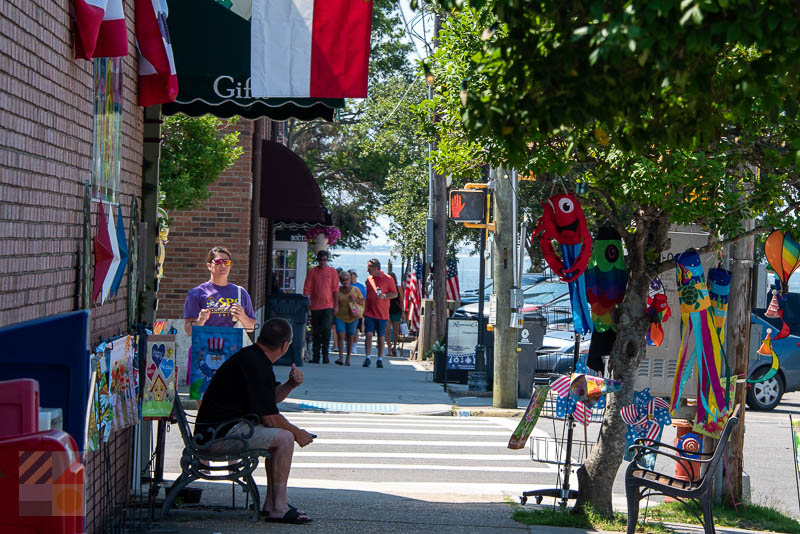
(588, 519)
(749, 516)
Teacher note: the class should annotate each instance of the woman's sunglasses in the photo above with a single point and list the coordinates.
(220, 261)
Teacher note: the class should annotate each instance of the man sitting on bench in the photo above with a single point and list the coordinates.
(245, 384)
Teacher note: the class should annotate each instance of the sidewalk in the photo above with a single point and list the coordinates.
(401, 387)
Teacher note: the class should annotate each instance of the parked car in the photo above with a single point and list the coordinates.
(536, 296)
(767, 395)
(470, 296)
(558, 351)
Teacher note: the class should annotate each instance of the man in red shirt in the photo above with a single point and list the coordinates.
(381, 289)
(322, 286)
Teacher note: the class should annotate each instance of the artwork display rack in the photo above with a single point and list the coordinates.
(564, 450)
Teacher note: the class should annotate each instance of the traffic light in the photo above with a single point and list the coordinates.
(468, 205)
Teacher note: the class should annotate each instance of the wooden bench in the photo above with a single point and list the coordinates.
(239, 464)
(641, 483)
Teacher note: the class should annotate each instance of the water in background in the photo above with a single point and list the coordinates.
(468, 265)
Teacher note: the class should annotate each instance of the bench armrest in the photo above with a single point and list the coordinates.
(250, 420)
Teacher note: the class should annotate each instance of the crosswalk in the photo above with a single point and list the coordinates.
(441, 458)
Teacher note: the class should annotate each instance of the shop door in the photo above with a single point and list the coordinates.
(289, 265)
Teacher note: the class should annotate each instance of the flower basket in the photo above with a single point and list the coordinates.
(321, 237)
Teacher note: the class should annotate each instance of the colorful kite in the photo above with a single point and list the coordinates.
(783, 255)
(719, 287)
(606, 280)
(766, 350)
(700, 344)
(529, 418)
(646, 419)
(658, 312)
(564, 222)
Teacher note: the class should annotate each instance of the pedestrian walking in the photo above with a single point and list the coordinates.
(395, 316)
(351, 308)
(380, 290)
(244, 385)
(355, 283)
(217, 302)
(322, 287)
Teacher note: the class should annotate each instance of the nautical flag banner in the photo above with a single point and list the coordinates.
(158, 83)
(310, 48)
(100, 29)
(413, 300)
(453, 291)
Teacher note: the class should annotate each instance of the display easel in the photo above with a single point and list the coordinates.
(559, 451)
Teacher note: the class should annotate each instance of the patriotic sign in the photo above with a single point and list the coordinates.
(101, 30)
(211, 347)
(158, 83)
(310, 48)
(453, 290)
(413, 298)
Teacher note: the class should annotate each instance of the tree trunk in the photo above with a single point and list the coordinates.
(596, 476)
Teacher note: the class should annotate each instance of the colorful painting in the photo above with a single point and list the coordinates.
(107, 135)
(211, 347)
(122, 384)
(160, 377)
(529, 418)
(101, 415)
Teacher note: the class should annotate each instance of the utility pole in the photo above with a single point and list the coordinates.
(505, 337)
(738, 350)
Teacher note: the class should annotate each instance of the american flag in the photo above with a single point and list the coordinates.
(413, 300)
(453, 291)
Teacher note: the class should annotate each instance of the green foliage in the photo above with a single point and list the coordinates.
(749, 517)
(193, 154)
(671, 72)
(589, 519)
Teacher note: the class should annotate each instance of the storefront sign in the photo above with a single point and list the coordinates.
(462, 336)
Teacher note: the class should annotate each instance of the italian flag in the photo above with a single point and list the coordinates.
(100, 29)
(310, 48)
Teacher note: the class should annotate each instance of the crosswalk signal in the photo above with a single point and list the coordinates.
(468, 205)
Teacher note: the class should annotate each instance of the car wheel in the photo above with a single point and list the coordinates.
(763, 396)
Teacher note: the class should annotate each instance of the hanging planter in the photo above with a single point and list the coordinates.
(321, 237)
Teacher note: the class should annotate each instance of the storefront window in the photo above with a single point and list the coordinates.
(284, 265)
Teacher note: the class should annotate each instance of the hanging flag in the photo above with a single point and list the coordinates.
(158, 83)
(122, 244)
(103, 254)
(112, 269)
(413, 299)
(100, 29)
(453, 290)
(310, 48)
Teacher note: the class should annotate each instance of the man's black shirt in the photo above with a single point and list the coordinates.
(243, 385)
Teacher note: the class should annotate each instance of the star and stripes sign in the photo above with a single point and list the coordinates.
(110, 254)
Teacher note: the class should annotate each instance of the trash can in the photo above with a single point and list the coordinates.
(529, 340)
(293, 308)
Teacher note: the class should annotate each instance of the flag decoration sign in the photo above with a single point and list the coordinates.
(310, 48)
(158, 82)
(100, 29)
(413, 298)
(453, 290)
(103, 254)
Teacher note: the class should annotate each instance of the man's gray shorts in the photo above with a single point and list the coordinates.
(261, 439)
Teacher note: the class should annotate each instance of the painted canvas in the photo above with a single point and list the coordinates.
(160, 381)
(101, 415)
(529, 418)
(211, 347)
(122, 384)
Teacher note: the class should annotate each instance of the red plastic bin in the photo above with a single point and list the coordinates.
(19, 406)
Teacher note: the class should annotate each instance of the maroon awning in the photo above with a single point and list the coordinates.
(289, 192)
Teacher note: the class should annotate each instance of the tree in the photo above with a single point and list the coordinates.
(662, 113)
(194, 152)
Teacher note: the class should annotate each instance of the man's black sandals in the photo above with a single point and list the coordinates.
(292, 517)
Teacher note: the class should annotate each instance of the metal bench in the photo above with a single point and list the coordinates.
(641, 483)
(239, 464)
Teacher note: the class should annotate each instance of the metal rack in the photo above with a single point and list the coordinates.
(563, 449)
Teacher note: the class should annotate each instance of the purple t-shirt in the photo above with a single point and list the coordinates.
(218, 300)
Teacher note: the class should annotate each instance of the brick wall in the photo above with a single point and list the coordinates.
(223, 220)
(45, 158)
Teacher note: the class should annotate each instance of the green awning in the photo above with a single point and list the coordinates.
(211, 46)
